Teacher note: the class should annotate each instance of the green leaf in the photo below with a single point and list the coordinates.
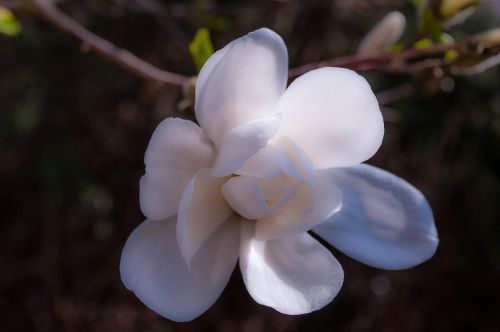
(423, 43)
(8, 23)
(451, 55)
(431, 25)
(201, 48)
(417, 3)
(445, 38)
(217, 23)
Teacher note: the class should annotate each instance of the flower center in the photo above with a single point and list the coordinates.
(255, 198)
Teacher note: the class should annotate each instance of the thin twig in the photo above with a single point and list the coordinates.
(14, 4)
(380, 61)
(397, 93)
(403, 62)
(124, 58)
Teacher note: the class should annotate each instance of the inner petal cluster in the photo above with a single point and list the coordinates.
(277, 187)
(268, 181)
(255, 198)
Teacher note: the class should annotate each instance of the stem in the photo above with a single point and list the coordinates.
(382, 61)
(123, 58)
(389, 62)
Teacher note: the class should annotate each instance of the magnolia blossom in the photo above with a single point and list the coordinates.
(265, 165)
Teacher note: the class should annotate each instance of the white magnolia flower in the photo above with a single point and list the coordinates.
(265, 166)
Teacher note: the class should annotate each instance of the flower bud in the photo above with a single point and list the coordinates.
(188, 95)
(485, 53)
(450, 8)
(384, 34)
(488, 38)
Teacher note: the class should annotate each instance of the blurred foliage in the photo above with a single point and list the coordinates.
(8, 23)
(74, 128)
(201, 48)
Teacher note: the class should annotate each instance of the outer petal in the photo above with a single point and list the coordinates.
(176, 151)
(152, 267)
(243, 83)
(333, 115)
(242, 143)
(294, 275)
(384, 222)
(201, 211)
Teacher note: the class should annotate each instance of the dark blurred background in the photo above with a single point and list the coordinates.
(74, 128)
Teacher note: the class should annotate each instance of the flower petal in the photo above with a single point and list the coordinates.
(242, 143)
(333, 115)
(245, 196)
(307, 207)
(152, 267)
(294, 275)
(243, 84)
(176, 151)
(202, 210)
(271, 161)
(384, 222)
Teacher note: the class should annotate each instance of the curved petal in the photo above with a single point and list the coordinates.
(152, 267)
(202, 210)
(242, 143)
(176, 151)
(333, 115)
(307, 207)
(246, 197)
(243, 83)
(271, 161)
(208, 68)
(294, 275)
(253, 199)
(384, 222)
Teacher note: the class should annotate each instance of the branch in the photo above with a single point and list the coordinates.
(382, 61)
(47, 10)
(390, 62)
(397, 93)
(15, 4)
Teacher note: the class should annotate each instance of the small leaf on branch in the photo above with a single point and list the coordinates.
(431, 24)
(423, 43)
(8, 23)
(201, 48)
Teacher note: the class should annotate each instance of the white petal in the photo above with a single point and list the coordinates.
(242, 143)
(307, 207)
(245, 196)
(269, 162)
(201, 211)
(243, 84)
(333, 115)
(176, 151)
(293, 275)
(384, 222)
(208, 68)
(300, 159)
(152, 267)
